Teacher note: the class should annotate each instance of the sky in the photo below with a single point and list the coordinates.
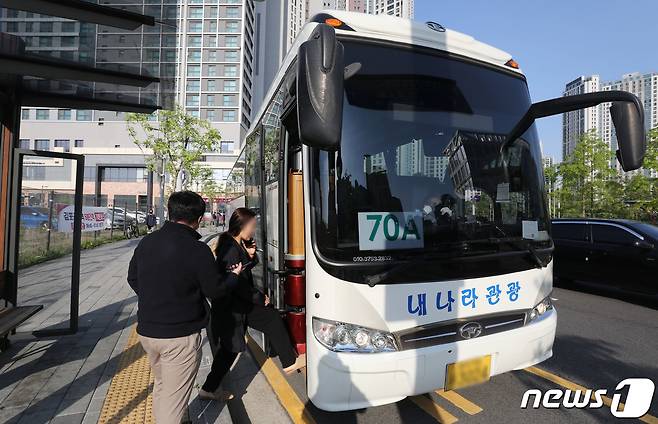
(557, 41)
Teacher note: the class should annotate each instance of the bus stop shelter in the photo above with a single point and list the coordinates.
(40, 78)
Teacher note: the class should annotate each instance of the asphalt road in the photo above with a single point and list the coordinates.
(601, 340)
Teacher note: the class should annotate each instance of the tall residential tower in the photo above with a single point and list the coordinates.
(597, 118)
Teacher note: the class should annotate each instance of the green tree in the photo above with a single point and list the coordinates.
(638, 197)
(651, 158)
(176, 139)
(586, 179)
(204, 183)
(551, 176)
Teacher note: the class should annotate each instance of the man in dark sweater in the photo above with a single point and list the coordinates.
(173, 273)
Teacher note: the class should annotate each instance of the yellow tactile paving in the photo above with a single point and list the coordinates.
(129, 399)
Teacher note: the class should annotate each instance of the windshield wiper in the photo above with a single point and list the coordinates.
(525, 247)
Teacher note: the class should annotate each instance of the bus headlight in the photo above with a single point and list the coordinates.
(344, 337)
(541, 308)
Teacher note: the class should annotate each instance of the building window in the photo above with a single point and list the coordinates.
(226, 146)
(83, 115)
(193, 85)
(230, 86)
(25, 114)
(192, 100)
(24, 143)
(64, 144)
(194, 41)
(213, 12)
(231, 56)
(211, 115)
(34, 173)
(195, 12)
(194, 113)
(210, 41)
(228, 115)
(129, 175)
(195, 26)
(67, 41)
(194, 55)
(230, 71)
(212, 70)
(193, 70)
(233, 12)
(68, 26)
(212, 85)
(232, 26)
(210, 100)
(212, 26)
(45, 41)
(43, 114)
(228, 101)
(41, 144)
(79, 143)
(231, 41)
(170, 56)
(64, 114)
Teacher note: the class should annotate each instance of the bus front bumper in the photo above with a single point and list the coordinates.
(345, 381)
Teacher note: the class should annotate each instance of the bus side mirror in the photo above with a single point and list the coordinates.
(320, 78)
(626, 112)
(631, 139)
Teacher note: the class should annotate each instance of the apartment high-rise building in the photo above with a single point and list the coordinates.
(401, 8)
(216, 64)
(100, 135)
(208, 53)
(578, 122)
(597, 118)
(280, 21)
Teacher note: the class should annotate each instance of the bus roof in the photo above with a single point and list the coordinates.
(397, 30)
(405, 31)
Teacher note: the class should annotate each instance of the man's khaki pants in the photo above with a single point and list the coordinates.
(174, 363)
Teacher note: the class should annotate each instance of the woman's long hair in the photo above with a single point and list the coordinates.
(238, 220)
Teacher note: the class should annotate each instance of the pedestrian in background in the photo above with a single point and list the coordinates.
(173, 273)
(150, 220)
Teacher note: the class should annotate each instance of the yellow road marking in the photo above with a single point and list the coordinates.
(459, 401)
(574, 386)
(129, 398)
(287, 396)
(429, 406)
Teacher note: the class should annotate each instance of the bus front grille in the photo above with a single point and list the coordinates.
(457, 330)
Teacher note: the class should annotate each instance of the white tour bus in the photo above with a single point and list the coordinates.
(397, 175)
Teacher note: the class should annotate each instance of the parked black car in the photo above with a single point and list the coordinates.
(617, 253)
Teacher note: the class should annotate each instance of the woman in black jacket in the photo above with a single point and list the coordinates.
(246, 306)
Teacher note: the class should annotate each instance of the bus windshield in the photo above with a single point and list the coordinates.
(419, 173)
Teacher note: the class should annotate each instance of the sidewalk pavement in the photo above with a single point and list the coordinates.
(67, 379)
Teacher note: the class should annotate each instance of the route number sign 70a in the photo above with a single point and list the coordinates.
(390, 230)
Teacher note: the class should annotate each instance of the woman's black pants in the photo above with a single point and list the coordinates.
(266, 320)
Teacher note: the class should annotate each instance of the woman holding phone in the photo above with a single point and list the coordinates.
(246, 306)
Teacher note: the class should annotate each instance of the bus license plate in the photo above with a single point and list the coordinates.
(467, 373)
